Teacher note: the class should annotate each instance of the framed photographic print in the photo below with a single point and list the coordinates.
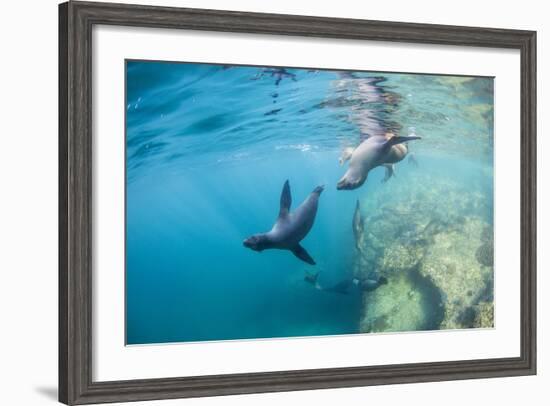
(257, 202)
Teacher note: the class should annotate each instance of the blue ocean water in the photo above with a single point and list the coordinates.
(209, 148)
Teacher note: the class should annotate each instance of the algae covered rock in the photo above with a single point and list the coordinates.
(484, 253)
(398, 257)
(484, 315)
(406, 303)
(435, 247)
(451, 264)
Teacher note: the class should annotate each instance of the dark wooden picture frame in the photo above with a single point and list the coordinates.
(76, 20)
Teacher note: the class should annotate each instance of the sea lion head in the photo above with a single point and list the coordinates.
(351, 180)
(257, 242)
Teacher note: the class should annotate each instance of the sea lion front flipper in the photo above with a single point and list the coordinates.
(301, 253)
(390, 171)
(286, 200)
(346, 155)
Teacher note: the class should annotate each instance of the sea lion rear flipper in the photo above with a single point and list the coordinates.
(286, 200)
(398, 139)
(301, 253)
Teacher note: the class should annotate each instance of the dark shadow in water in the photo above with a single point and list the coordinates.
(432, 303)
(49, 392)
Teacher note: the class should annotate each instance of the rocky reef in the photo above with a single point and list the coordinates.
(434, 244)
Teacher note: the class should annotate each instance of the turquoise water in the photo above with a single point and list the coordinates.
(208, 150)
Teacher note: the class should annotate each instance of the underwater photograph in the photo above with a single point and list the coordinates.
(278, 202)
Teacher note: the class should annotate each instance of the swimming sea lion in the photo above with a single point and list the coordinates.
(358, 226)
(372, 152)
(370, 284)
(390, 168)
(342, 287)
(396, 154)
(355, 285)
(312, 278)
(289, 228)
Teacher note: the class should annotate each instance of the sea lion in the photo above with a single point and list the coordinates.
(370, 284)
(358, 226)
(390, 171)
(372, 152)
(355, 285)
(397, 153)
(342, 287)
(312, 278)
(289, 228)
(390, 168)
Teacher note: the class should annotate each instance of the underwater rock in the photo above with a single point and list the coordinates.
(407, 302)
(436, 254)
(398, 258)
(487, 234)
(451, 264)
(485, 315)
(484, 254)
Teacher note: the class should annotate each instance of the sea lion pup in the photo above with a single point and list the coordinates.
(372, 152)
(289, 228)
